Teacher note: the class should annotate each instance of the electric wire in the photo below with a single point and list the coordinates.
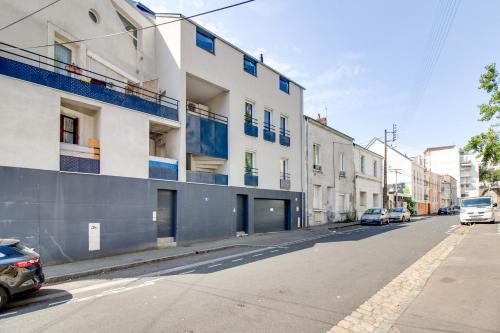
(29, 15)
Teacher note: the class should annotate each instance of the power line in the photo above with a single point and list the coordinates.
(31, 14)
(136, 29)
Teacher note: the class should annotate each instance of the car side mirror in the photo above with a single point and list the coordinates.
(495, 205)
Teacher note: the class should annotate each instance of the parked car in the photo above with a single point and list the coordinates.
(399, 214)
(480, 209)
(375, 216)
(455, 209)
(20, 270)
(444, 211)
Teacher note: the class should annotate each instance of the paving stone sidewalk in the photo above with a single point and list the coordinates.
(379, 312)
(73, 270)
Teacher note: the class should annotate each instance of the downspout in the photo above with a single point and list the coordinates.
(355, 193)
(306, 193)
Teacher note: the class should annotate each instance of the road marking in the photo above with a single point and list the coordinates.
(235, 260)
(257, 255)
(57, 303)
(211, 266)
(8, 314)
(191, 271)
(452, 229)
(273, 251)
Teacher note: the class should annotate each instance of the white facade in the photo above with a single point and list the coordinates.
(469, 175)
(444, 161)
(369, 179)
(330, 174)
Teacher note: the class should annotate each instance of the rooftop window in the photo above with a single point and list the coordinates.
(250, 65)
(205, 40)
(284, 85)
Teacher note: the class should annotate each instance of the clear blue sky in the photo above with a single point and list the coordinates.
(364, 60)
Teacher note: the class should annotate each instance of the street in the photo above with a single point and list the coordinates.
(303, 287)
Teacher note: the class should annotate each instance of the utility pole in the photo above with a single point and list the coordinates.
(394, 137)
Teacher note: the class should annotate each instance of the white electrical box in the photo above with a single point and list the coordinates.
(94, 236)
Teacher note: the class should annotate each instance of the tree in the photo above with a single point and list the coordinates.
(487, 145)
(489, 175)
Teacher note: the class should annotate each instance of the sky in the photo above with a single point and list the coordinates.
(369, 64)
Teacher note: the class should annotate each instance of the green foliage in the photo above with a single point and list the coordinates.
(487, 145)
(411, 205)
(489, 175)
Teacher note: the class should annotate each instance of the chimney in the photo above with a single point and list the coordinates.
(261, 58)
(321, 120)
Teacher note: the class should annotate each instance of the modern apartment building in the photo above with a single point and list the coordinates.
(138, 139)
(469, 175)
(368, 179)
(329, 173)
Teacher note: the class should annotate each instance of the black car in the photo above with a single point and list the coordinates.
(20, 270)
(443, 211)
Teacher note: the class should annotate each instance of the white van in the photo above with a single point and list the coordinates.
(481, 209)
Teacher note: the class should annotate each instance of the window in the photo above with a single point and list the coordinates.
(132, 30)
(317, 199)
(341, 157)
(63, 56)
(340, 203)
(94, 16)
(329, 192)
(362, 198)
(284, 169)
(316, 154)
(375, 200)
(362, 164)
(284, 85)
(248, 112)
(267, 120)
(283, 125)
(205, 40)
(250, 65)
(69, 130)
(249, 162)
(375, 169)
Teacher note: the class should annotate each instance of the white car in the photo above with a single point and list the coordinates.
(400, 214)
(481, 209)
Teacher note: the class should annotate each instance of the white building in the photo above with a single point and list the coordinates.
(469, 175)
(329, 173)
(444, 160)
(152, 135)
(368, 179)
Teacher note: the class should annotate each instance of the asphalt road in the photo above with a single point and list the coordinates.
(306, 287)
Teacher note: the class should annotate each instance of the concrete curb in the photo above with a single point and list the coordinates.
(119, 267)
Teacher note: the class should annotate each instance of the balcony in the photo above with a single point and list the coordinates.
(206, 177)
(251, 128)
(251, 177)
(269, 133)
(206, 133)
(78, 158)
(36, 68)
(285, 137)
(163, 168)
(284, 181)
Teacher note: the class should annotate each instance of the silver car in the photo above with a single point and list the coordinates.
(375, 216)
(400, 214)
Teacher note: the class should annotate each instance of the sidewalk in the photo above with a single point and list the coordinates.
(463, 293)
(63, 272)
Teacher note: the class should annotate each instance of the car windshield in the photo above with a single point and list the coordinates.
(373, 211)
(397, 210)
(477, 202)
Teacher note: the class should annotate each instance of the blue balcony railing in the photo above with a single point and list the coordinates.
(206, 177)
(251, 128)
(39, 69)
(163, 170)
(284, 137)
(251, 177)
(269, 133)
(206, 133)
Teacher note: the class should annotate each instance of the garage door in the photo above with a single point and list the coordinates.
(270, 215)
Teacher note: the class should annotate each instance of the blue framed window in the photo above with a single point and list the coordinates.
(284, 85)
(205, 40)
(250, 65)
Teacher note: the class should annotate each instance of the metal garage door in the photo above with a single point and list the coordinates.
(166, 214)
(270, 215)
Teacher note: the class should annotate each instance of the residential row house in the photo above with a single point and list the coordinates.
(449, 196)
(124, 130)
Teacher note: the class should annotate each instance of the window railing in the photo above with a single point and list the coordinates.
(251, 171)
(284, 175)
(284, 132)
(206, 114)
(251, 176)
(251, 120)
(84, 75)
(250, 126)
(269, 127)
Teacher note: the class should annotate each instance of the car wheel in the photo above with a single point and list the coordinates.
(4, 297)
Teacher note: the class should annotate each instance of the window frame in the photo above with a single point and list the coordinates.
(284, 79)
(133, 33)
(252, 61)
(268, 125)
(249, 116)
(341, 158)
(252, 160)
(283, 124)
(375, 169)
(74, 132)
(208, 35)
(362, 160)
(316, 154)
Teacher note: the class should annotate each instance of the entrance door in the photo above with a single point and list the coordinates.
(241, 213)
(270, 215)
(165, 216)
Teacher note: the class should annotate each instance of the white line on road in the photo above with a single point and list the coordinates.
(211, 266)
(8, 314)
(57, 303)
(273, 251)
(257, 255)
(235, 260)
(191, 271)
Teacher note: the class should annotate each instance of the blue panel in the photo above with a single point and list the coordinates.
(72, 85)
(164, 165)
(79, 164)
(162, 173)
(251, 129)
(284, 140)
(251, 180)
(206, 178)
(206, 137)
(269, 135)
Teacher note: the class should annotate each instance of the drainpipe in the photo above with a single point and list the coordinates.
(306, 196)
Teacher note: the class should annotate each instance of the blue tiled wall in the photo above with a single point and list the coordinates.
(206, 137)
(79, 164)
(161, 170)
(206, 178)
